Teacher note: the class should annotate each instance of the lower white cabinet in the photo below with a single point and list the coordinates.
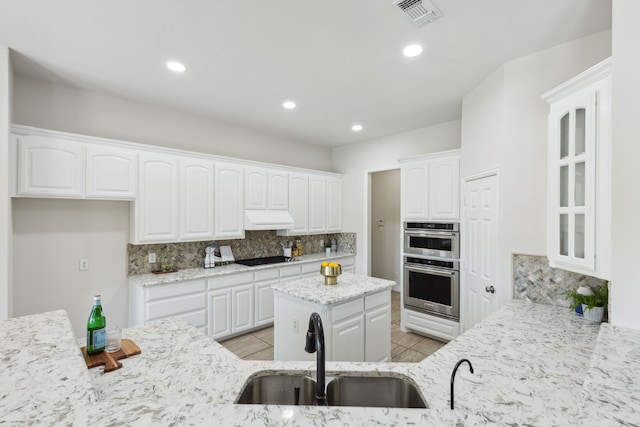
(187, 300)
(433, 326)
(356, 330)
(264, 296)
(223, 305)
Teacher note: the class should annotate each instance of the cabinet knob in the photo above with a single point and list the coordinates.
(490, 289)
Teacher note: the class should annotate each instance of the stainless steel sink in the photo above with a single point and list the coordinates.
(380, 391)
(278, 389)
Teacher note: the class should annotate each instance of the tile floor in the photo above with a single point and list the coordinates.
(405, 347)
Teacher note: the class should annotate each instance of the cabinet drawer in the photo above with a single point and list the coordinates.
(375, 300)
(175, 306)
(347, 309)
(269, 274)
(344, 262)
(230, 280)
(174, 289)
(197, 319)
(290, 272)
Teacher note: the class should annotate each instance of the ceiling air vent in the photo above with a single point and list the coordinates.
(419, 12)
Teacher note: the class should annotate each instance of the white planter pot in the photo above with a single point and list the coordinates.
(593, 315)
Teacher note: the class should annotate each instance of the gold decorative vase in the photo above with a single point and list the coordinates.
(331, 274)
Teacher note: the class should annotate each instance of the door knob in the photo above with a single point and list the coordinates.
(490, 289)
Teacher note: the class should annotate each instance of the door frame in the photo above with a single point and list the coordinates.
(367, 220)
(463, 241)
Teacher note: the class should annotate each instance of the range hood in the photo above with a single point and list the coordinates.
(267, 220)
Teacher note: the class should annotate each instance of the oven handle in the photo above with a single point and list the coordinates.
(430, 233)
(420, 269)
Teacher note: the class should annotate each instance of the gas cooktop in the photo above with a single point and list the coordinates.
(265, 260)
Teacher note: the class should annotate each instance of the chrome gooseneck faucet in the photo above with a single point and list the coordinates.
(453, 375)
(315, 343)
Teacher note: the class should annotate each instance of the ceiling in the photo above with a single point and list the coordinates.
(340, 61)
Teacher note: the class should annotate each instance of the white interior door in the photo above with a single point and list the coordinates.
(481, 288)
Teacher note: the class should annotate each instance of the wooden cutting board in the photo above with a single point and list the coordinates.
(110, 360)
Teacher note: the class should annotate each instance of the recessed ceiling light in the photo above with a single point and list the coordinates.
(289, 105)
(356, 128)
(176, 66)
(412, 50)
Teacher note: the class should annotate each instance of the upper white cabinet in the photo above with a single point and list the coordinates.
(196, 199)
(415, 194)
(111, 172)
(317, 203)
(334, 205)
(155, 213)
(431, 187)
(50, 167)
(579, 173)
(52, 164)
(229, 201)
(265, 189)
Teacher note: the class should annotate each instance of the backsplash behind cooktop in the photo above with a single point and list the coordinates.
(255, 244)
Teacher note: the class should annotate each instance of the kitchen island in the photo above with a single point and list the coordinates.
(356, 316)
(534, 365)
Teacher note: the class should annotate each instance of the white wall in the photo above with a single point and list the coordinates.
(54, 106)
(355, 161)
(50, 237)
(504, 127)
(625, 281)
(6, 270)
(385, 205)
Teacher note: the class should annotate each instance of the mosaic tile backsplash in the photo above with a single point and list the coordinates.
(534, 280)
(255, 244)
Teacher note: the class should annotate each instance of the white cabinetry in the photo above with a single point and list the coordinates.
(298, 204)
(355, 330)
(184, 299)
(347, 331)
(579, 173)
(317, 203)
(431, 187)
(111, 172)
(264, 296)
(266, 189)
(196, 199)
(230, 304)
(53, 164)
(377, 325)
(334, 205)
(50, 167)
(229, 201)
(155, 213)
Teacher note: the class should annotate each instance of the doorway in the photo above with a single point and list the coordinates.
(481, 292)
(384, 225)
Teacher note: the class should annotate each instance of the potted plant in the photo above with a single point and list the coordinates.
(592, 305)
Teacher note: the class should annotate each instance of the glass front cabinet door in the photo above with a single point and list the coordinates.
(578, 224)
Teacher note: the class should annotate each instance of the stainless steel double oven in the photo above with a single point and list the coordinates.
(432, 268)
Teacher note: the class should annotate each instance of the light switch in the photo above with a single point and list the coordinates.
(152, 257)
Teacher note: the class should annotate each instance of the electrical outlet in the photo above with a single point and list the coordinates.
(294, 325)
(152, 257)
(84, 264)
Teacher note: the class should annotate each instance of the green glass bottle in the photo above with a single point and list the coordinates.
(96, 328)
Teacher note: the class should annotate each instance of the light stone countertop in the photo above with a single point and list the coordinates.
(349, 286)
(530, 363)
(199, 273)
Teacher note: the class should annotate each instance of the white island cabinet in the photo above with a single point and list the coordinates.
(356, 318)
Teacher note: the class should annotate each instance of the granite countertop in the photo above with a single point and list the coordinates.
(534, 364)
(349, 286)
(199, 273)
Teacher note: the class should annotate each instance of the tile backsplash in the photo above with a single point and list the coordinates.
(534, 280)
(255, 244)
